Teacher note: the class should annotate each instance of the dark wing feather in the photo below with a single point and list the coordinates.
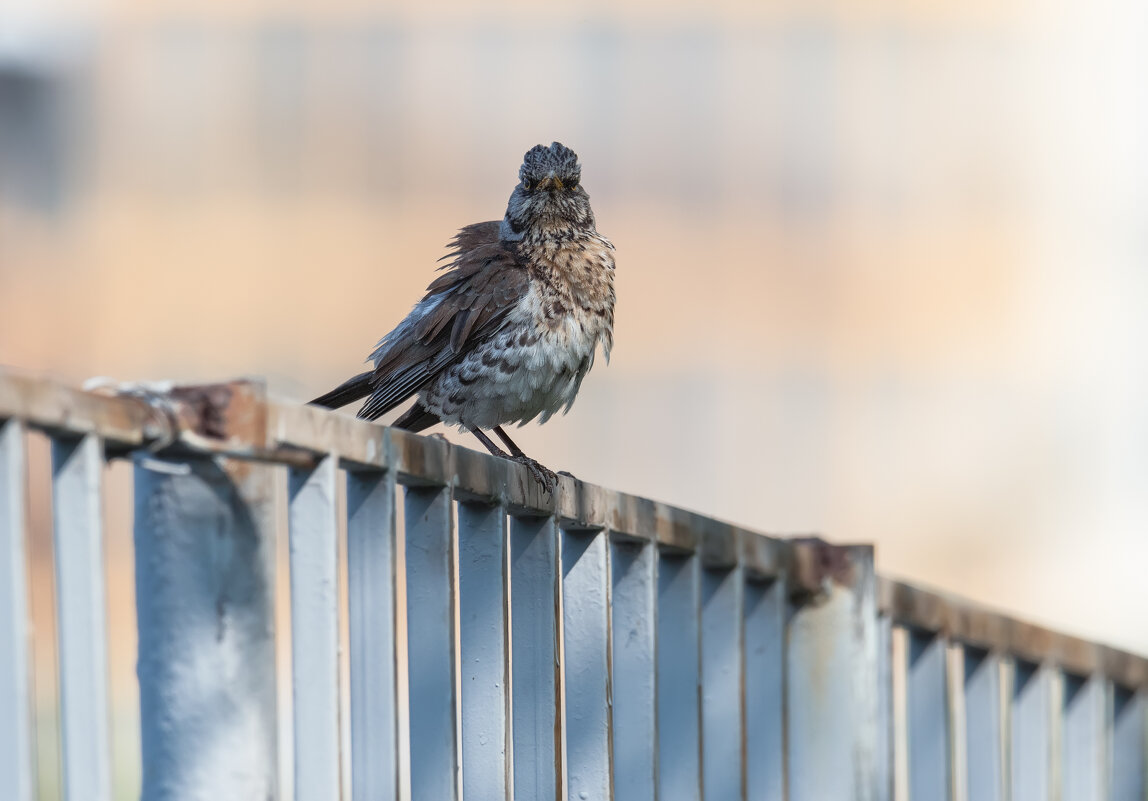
(348, 392)
(400, 385)
(483, 283)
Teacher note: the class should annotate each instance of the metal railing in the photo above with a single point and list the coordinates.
(584, 645)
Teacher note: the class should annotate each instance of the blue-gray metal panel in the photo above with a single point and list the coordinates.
(483, 657)
(15, 681)
(431, 640)
(634, 584)
(928, 717)
(764, 690)
(77, 472)
(679, 678)
(315, 629)
(862, 586)
(205, 602)
(1032, 723)
(722, 604)
(534, 599)
(826, 721)
(371, 590)
(885, 737)
(585, 625)
(1128, 752)
(983, 722)
(1083, 760)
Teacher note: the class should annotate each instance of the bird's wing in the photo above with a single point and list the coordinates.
(470, 300)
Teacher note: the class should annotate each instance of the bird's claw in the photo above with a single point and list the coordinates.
(544, 475)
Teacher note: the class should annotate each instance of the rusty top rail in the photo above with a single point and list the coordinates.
(237, 419)
(965, 622)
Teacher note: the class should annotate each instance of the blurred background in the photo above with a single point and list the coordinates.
(881, 265)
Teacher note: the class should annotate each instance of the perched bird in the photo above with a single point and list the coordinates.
(509, 331)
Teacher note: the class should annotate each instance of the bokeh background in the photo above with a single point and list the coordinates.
(882, 266)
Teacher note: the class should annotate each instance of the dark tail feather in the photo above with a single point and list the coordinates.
(349, 391)
(415, 419)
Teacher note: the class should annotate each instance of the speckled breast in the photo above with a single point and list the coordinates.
(534, 366)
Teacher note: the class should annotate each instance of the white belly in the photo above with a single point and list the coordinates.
(523, 372)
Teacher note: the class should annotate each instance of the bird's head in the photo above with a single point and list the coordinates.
(549, 196)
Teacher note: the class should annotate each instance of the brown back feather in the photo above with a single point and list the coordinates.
(481, 285)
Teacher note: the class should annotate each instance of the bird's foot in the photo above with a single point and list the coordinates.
(543, 474)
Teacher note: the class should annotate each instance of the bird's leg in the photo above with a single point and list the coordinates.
(490, 446)
(544, 474)
(502, 435)
(516, 451)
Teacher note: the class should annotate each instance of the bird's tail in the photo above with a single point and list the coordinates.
(416, 419)
(349, 391)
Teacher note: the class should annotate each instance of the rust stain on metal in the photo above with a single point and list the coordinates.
(204, 409)
(231, 419)
(815, 563)
(674, 530)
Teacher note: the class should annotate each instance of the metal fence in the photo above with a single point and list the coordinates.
(508, 644)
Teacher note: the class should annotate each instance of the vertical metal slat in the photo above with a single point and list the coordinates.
(585, 610)
(633, 598)
(679, 678)
(77, 472)
(722, 603)
(15, 681)
(315, 629)
(1032, 735)
(431, 643)
(371, 591)
(1128, 747)
(886, 752)
(535, 601)
(928, 717)
(983, 721)
(483, 643)
(1083, 751)
(765, 690)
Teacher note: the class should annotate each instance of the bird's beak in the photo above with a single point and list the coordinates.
(551, 182)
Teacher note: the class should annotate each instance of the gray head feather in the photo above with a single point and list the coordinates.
(541, 162)
(549, 199)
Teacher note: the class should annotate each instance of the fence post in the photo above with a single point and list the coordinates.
(16, 746)
(832, 674)
(205, 584)
(77, 522)
(312, 533)
(535, 621)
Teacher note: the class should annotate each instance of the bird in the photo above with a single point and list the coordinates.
(510, 329)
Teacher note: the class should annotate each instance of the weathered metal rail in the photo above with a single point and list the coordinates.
(583, 645)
